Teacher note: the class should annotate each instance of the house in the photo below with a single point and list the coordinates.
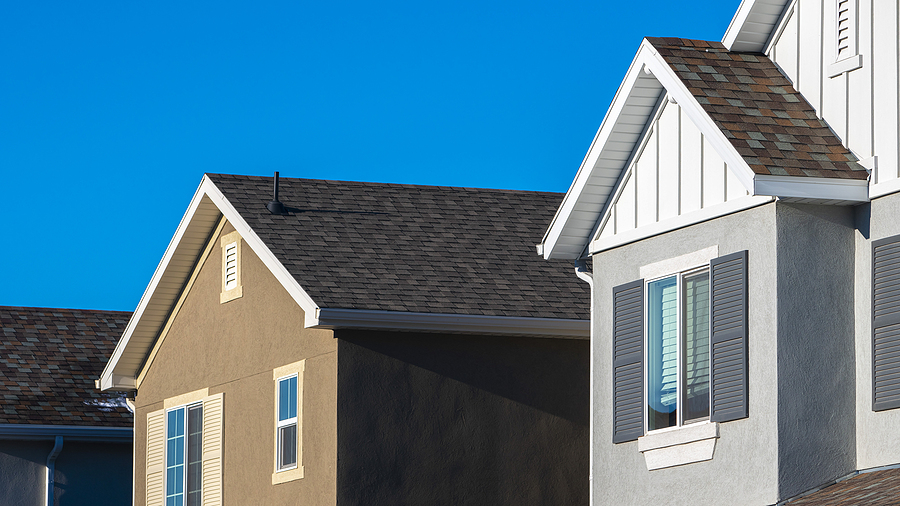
(738, 218)
(62, 442)
(327, 342)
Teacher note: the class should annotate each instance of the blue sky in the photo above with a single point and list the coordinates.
(110, 112)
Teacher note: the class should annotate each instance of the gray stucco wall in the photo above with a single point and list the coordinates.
(876, 433)
(744, 469)
(429, 419)
(87, 473)
(816, 423)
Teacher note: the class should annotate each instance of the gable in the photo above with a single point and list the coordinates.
(677, 177)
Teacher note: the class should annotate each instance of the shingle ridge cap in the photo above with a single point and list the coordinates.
(389, 185)
(67, 309)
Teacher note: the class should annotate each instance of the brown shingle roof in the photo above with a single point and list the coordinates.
(49, 359)
(870, 489)
(425, 249)
(767, 121)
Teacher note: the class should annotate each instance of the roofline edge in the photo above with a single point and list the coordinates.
(17, 431)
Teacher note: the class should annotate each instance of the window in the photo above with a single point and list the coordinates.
(678, 349)
(184, 455)
(231, 267)
(288, 422)
(680, 345)
(184, 451)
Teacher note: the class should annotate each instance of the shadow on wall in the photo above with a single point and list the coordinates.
(551, 375)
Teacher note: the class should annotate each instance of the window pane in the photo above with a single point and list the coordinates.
(175, 457)
(287, 398)
(662, 353)
(287, 446)
(194, 455)
(696, 341)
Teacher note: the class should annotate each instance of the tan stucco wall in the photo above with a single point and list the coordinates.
(233, 348)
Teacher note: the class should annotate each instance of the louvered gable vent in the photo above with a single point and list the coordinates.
(230, 266)
(886, 324)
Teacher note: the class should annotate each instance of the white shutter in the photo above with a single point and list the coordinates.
(213, 439)
(156, 451)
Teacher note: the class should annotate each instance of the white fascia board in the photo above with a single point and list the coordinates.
(583, 176)
(856, 190)
(113, 379)
(885, 188)
(738, 35)
(453, 323)
(30, 432)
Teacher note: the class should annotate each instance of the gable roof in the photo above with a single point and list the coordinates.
(741, 103)
(767, 121)
(422, 249)
(865, 488)
(372, 255)
(49, 358)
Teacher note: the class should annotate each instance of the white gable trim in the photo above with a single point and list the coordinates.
(191, 236)
(855, 190)
(753, 24)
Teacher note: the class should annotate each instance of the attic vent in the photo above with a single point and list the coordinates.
(846, 29)
(230, 266)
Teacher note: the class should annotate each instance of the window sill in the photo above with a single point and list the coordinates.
(845, 65)
(679, 446)
(287, 475)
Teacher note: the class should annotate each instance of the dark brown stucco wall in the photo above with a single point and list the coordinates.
(233, 348)
(428, 419)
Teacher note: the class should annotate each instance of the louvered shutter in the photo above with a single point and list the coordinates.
(156, 448)
(213, 442)
(628, 361)
(728, 385)
(886, 324)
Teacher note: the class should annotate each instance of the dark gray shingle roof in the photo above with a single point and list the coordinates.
(767, 121)
(424, 249)
(868, 488)
(49, 359)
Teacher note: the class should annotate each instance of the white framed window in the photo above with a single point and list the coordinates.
(184, 456)
(286, 424)
(677, 349)
(288, 436)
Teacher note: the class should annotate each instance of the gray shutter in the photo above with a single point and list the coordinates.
(886, 324)
(628, 361)
(728, 276)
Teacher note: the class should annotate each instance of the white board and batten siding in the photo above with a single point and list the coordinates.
(857, 92)
(676, 178)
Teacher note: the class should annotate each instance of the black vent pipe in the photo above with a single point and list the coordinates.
(275, 206)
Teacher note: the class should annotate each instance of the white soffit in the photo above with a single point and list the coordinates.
(173, 271)
(753, 25)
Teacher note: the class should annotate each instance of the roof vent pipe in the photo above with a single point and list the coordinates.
(275, 206)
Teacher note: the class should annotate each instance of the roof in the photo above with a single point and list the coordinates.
(767, 121)
(49, 359)
(753, 24)
(421, 249)
(866, 488)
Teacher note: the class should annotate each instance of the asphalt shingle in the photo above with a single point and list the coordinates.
(423, 249)
(766, 120)
(49, 358)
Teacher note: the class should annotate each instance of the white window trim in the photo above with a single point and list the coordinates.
(696, 440)
(227, 240)
(190, 404)
(280, 373)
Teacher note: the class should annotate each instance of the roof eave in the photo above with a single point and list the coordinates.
(753, 24)
(453, 323)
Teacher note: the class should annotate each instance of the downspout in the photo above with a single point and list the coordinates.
(582, 272)
(51, 468)
(129, 403)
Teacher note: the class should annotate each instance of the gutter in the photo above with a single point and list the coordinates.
(23, 432)
(51, 468)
